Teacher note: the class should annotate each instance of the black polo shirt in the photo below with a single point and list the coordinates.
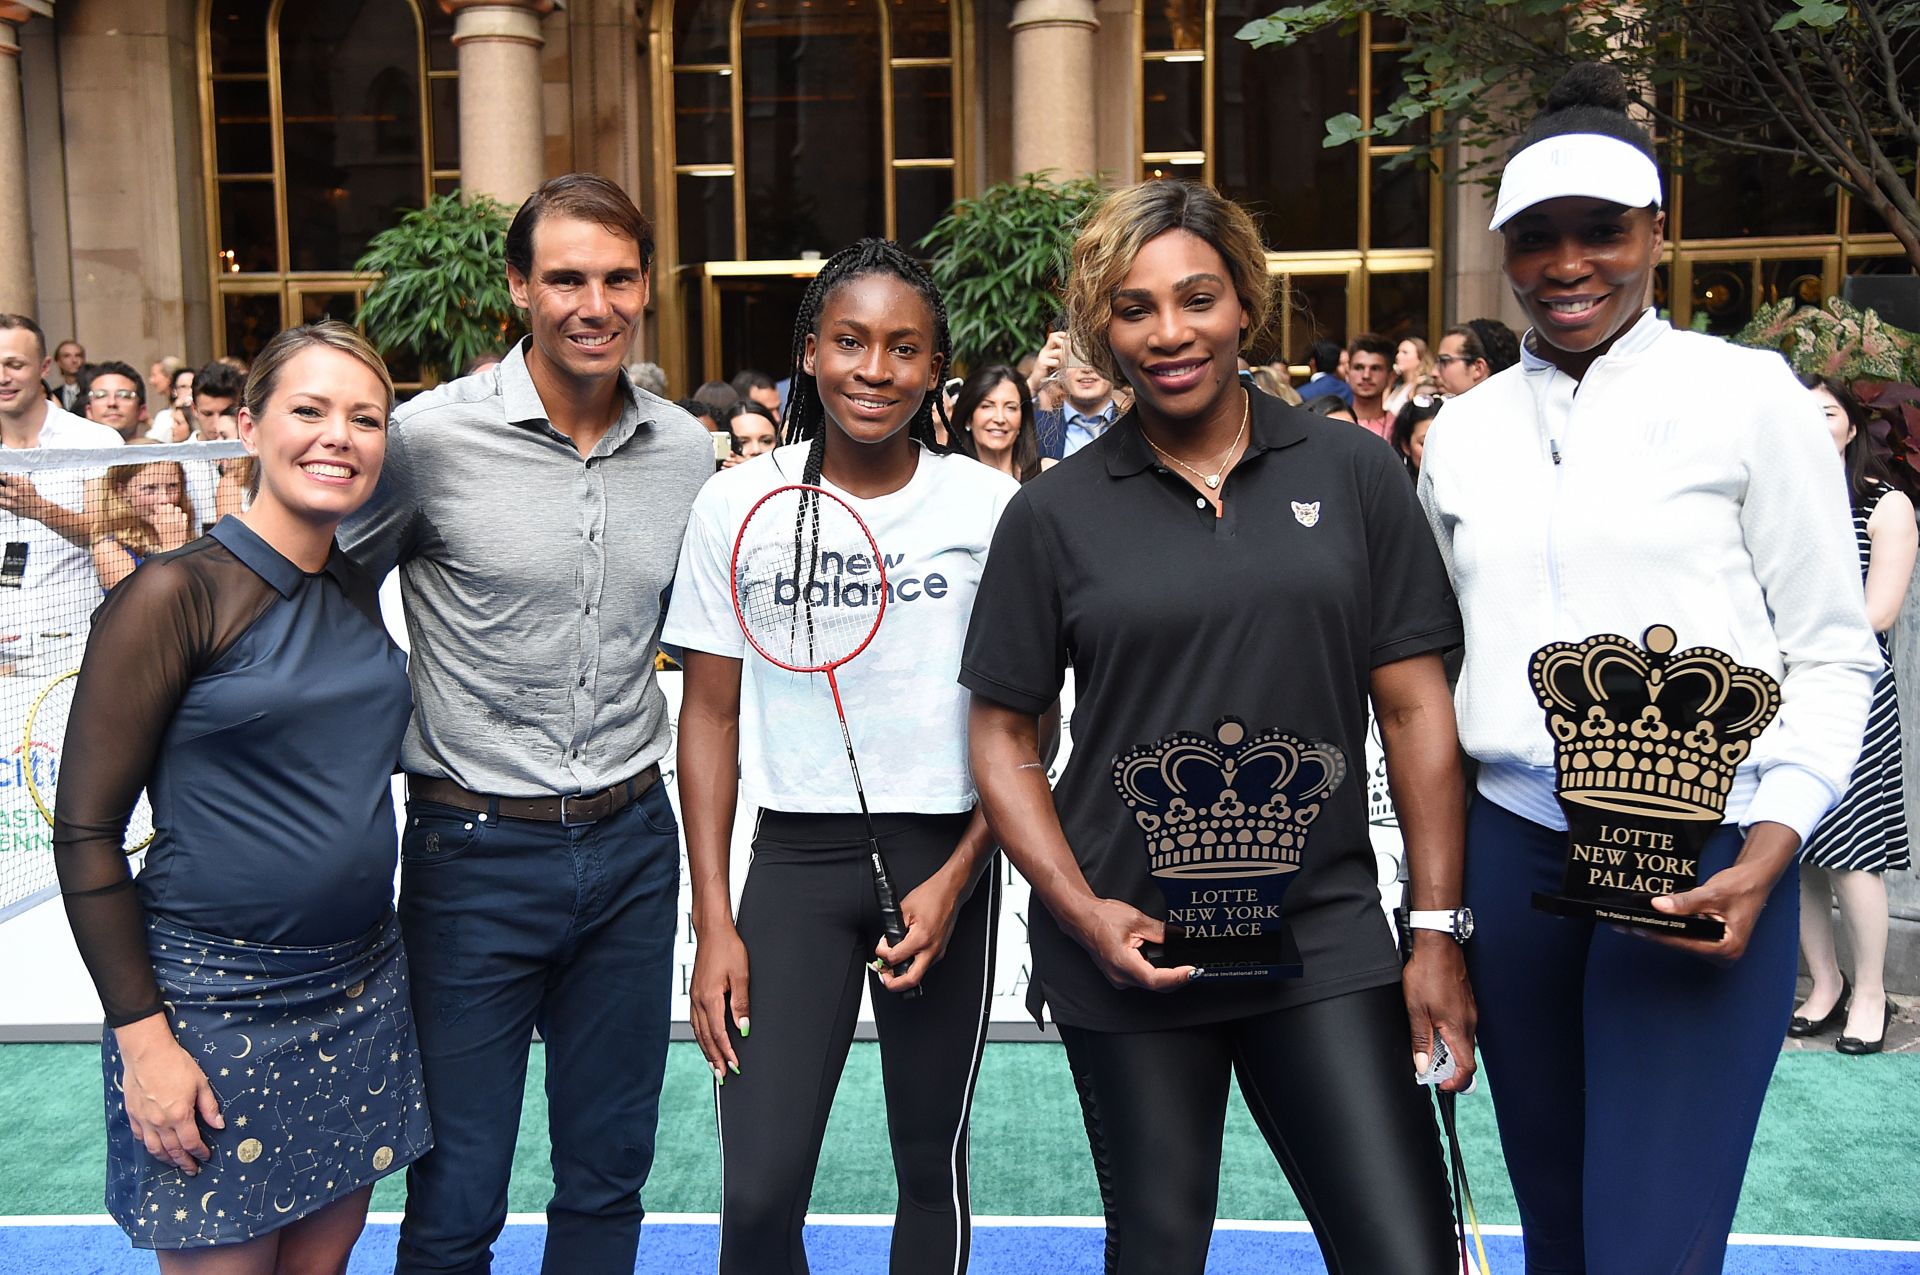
(1320, 569)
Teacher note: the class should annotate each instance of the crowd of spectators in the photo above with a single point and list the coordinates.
(85, 530)
(72, 532)
(1024, 417)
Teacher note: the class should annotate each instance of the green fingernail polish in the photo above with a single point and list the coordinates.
(734, 1067)
(746, 1028)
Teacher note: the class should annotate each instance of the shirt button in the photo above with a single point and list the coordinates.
(583, 679)
(1200, 503)
(590, 605)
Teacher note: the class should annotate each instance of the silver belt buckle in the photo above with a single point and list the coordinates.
(568, 819)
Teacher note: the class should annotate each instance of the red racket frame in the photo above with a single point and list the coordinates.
(891, 920)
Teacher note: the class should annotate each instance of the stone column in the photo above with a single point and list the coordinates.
(1053, 86)
(502, 133)
(17, 292)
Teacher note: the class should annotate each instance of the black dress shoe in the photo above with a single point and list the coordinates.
(1854, 1045)
(1838, 1014)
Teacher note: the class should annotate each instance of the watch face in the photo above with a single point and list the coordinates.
(1463, 924)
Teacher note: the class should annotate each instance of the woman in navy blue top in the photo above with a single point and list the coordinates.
(259, 1061)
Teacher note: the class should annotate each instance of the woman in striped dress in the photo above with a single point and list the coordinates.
(1865, 836)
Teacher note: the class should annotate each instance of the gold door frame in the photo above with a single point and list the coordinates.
(673, 278)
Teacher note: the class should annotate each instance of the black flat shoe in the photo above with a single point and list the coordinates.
(1854, 1045)
(1801, 1027)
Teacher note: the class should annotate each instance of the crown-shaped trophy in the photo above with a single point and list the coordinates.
(1646, 743)
(1225, 821)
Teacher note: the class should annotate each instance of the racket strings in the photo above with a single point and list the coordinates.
(807, 580)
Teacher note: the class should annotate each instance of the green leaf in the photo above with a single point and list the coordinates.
(1344, 128)
(1812, 13)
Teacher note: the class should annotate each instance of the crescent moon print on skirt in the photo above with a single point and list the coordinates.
(311, 1055)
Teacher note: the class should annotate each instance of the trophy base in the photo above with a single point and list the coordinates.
(1266, 957)
(1712, 929)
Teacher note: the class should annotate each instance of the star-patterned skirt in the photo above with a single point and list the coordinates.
(311, 1053)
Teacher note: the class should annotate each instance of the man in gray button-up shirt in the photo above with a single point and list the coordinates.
(535, 513)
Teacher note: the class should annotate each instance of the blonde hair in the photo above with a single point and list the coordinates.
(1273, 383)
(1426, 369)
(119, 521)
(335, 335)
(1123, 222)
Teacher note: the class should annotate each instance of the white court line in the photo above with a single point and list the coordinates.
(1012, 1220)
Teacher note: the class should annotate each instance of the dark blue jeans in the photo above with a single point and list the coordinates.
(1627, 1077)
(512, 925)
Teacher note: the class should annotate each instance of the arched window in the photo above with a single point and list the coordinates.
(1353, 236)
(324, 121)
(798, 127)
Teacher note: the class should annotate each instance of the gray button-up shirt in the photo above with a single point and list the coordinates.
(533, 579)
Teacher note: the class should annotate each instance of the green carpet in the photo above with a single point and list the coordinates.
(1834, 1154)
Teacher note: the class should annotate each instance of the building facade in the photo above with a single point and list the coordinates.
(189, 176)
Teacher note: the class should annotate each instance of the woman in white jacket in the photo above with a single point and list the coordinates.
(1627, 475)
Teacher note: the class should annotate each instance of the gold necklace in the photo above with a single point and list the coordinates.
(1211, 480)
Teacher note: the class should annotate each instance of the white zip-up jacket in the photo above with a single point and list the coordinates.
(1684, 481)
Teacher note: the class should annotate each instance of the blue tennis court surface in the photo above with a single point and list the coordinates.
(686, 1244)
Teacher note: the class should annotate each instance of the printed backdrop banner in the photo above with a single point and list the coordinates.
(1013, 964)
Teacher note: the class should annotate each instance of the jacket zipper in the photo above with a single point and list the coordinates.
(1553, 515)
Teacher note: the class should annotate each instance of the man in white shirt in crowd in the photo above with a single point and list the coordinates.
(69, 357)
(111, 394)
(1472, 352)
(47, 585)
(216, 393)
(216, 397)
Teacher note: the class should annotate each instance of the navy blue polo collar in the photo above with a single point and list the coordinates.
(261, 558)
(1271, 425)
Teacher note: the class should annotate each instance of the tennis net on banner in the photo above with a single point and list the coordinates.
(73, 523)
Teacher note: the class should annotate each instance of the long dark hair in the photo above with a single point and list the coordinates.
(1862, 458)
(806, 415)
(1026, 444)
(1421, 407)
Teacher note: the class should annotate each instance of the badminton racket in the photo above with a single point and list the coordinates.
(810, 590)
(40, 752)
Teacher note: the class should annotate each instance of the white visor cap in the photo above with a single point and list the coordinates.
(1589, 164)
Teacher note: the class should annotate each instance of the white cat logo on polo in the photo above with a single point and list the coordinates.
(1306, 514)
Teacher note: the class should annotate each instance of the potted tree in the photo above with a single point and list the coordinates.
(999, 259)
(439, 292)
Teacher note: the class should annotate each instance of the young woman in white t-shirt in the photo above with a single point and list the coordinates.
(776, 990)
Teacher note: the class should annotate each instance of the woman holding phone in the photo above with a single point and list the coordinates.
(1623, 476)
(1147, 563)
(259, 1056)
(776, 989)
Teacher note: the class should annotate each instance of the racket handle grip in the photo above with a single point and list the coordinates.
(890, 919)
(894, 925)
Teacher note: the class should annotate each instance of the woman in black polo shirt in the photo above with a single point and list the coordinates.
(1222, 567)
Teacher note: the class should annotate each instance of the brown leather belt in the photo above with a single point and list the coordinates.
(569, 811)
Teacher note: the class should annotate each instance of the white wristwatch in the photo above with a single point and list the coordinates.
(1456, 921)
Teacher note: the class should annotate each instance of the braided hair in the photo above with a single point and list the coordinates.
(805, 419)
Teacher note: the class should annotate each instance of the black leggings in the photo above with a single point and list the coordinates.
(809, 920)
(1331, 1086)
